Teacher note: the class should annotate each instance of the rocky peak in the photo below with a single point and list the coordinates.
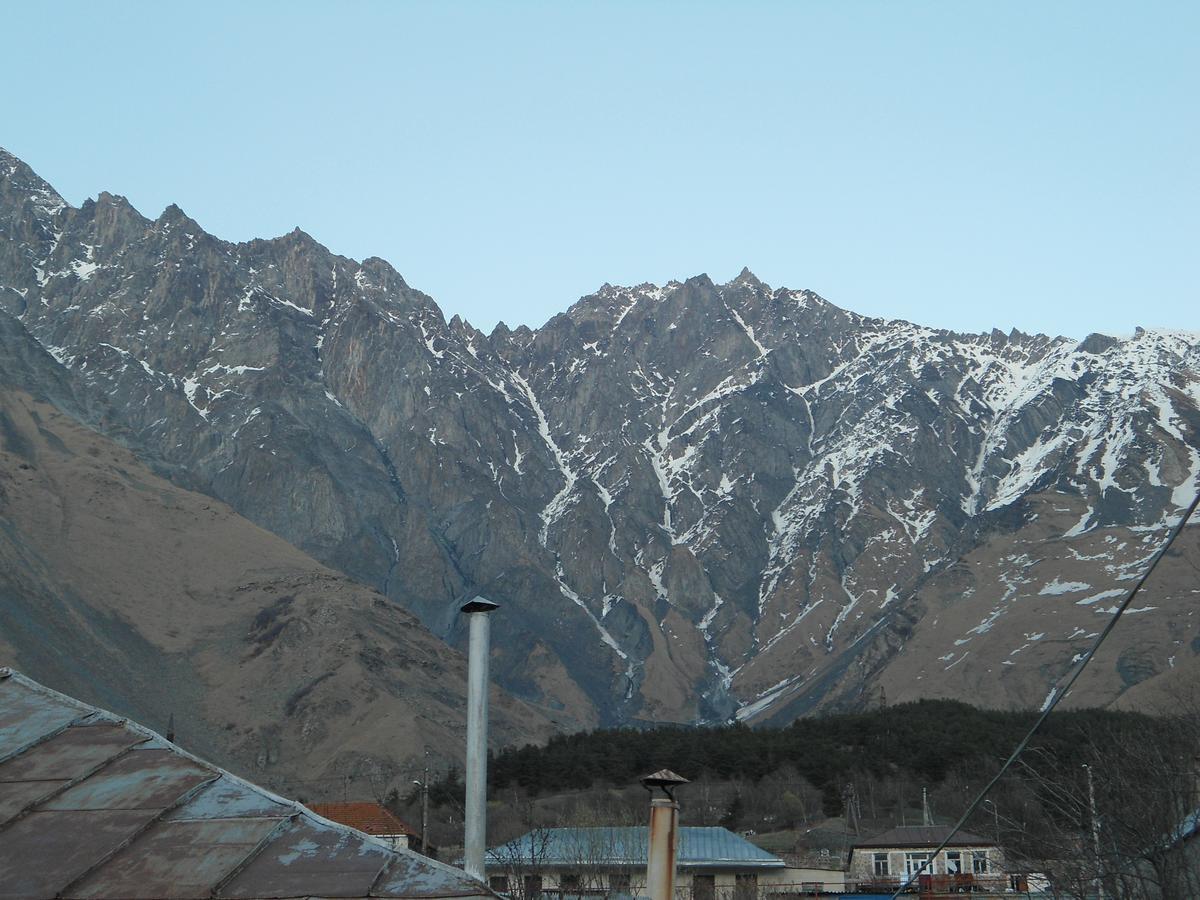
(694, 500)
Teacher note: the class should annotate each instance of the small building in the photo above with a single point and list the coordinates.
(93, 805)
(891, 859)
(592, 862)
(811, 871)
(370, 818)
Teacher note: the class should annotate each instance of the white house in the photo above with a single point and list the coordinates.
(894, 857)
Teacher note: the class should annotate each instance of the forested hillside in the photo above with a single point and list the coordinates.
(820, 782)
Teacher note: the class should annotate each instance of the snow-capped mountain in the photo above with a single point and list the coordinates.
(694, 500)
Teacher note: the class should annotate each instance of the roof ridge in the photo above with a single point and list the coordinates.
(399, 869)
(297, 807)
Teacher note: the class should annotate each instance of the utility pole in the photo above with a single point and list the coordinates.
(995, 819)
(423, 784)
(1095, 830)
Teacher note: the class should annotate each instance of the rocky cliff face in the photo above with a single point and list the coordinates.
(695, 500)
(160, 603)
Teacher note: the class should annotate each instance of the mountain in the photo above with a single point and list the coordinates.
(167, 606)
(695, 501)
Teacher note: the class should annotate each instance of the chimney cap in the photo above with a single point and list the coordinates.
(479, 604)
(665, 779)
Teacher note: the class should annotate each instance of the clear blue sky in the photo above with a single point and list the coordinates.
(961, 164)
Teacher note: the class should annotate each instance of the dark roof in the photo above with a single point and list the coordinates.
(699, 848)
(923, 836)
(373, 818)
(92, 805)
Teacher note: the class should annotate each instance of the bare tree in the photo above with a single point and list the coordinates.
(1110, 824)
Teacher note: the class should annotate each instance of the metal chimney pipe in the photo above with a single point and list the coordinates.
(660, 862)
(478, 613)
(663, 834)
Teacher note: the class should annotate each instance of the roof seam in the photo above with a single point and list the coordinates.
(387, 864)
(153, 820)
(267, 839)
(67, 785)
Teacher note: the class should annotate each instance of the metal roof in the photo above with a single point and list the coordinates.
(922, 836)
(699, 848)
(95, 806)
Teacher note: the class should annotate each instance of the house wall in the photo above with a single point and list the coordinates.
(862, 861)
(792, 875)
(725, 883)
(398, 841)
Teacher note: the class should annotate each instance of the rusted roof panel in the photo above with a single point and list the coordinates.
(309, 859)
(141, 779)
(93, 806)
(415, 876)
(18, 796)
(45, 851)
(229, 798)
(26, 718)
(176, 859)
(71, 754)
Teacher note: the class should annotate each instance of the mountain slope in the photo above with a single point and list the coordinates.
(696, 500)
(124, 589)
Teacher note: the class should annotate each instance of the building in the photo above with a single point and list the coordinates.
(968, 863)
(711, 862)
(92, 805)
(371, 818)
(1170, 868)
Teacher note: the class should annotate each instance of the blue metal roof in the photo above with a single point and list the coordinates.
(94, 806)
(611, 846)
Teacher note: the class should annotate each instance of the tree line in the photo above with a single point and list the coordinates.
(925, 739)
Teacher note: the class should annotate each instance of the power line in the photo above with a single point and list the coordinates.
(1058, 694)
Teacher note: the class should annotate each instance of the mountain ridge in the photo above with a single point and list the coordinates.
(690, 495)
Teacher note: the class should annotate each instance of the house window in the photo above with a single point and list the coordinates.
(881, 864)
(954, 862)
(979, 862)
(914, 861)
(498, 883)
(618, 884)
(745, 887)
(569, 884)
(533, 887)
(704, 887)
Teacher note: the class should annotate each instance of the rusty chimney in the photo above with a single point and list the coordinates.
(478, 613)
(663, 834)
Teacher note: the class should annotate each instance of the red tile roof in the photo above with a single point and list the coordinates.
(365, 816)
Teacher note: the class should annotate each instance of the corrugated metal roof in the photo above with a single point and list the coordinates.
(93, 806)
(699, 848)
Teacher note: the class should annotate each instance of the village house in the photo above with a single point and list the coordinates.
(370, 818)
(968, 863)
(711, 863)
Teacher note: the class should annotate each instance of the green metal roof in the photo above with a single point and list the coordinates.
(699, 848)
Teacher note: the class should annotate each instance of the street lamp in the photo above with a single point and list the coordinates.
(423, 784)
